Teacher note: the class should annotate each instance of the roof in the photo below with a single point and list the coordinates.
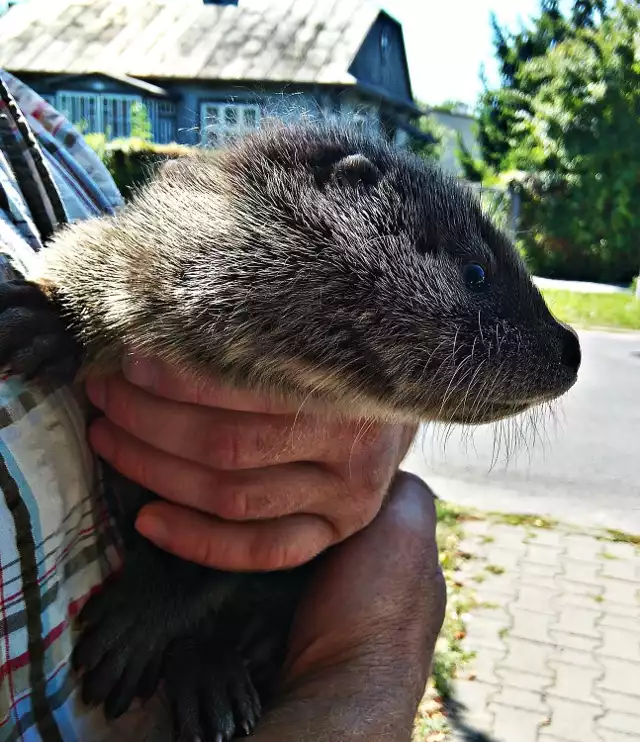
(133, 82)
(299, 41)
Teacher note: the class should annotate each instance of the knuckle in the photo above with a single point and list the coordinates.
(203, 553)
(223, 447)
(370, 485)
(234, 504)
(360, 517)
(117, 404)
(368, 443)
(266, 444)
(277, 555)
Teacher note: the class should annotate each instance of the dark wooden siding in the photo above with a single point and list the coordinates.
(381, 60)
(162, 111)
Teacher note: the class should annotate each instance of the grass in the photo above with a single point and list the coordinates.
(450, 657)
(494, 569)
(608, 555)
(620, 537)
(519, 519)
(616, 311)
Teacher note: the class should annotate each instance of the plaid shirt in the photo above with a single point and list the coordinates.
(57, 543)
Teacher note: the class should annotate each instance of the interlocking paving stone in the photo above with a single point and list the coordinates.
(558, 655)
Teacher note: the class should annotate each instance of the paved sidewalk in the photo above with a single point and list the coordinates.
(557, 637)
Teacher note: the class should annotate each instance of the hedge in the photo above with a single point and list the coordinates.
(131, 162)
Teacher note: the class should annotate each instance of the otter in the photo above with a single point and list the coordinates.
(309, 260)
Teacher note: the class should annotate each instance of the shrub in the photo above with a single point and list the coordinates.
(132, 161)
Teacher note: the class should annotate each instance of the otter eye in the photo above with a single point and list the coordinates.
(474, 276)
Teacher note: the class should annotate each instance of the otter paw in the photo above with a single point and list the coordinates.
(127, 627)
(125, 631)
(34, 339)
(210, 691)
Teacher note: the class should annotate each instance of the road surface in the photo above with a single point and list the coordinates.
(588, 470)
(580, 287)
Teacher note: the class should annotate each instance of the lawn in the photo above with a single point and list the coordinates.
(617, 311)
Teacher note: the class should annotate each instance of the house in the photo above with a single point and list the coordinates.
(458, 121)
(208, 69)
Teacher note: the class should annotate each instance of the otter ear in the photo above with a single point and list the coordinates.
(355, 170)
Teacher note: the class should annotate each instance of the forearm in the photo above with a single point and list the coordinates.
(369, 699)
(362, 680)
(383, 713)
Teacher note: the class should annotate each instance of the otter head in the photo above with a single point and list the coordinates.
(359, 274)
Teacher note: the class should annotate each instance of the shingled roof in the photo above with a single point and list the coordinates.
(300, 41)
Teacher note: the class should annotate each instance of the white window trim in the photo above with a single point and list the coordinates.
(222, 130)
(99, 102)
(367, 118)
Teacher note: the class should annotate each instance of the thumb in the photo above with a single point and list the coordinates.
(379, 591)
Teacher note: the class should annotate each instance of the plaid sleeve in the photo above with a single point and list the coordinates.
(57, 544)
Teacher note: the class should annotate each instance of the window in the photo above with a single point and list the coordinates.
(163, 120)
(385, 44)
(98, 113)
(81, 109)
(116, 115)
(364, 120)
(220, 122)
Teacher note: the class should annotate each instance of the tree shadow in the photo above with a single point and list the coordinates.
(456, 713)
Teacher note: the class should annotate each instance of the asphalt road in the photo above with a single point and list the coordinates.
(587, 470)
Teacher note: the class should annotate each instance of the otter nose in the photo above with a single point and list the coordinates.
(571, 353)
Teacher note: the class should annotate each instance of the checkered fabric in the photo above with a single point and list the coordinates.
(57, 544)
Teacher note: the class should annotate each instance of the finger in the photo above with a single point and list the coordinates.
(163, 380)
(370, 614)
(384, 582)
(246, 547)
(225, 439)
(246, 494)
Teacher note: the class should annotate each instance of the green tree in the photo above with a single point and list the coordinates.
(577, 145)
(500, 109)
(432, 147)
(140, 122)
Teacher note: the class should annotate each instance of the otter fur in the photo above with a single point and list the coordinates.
(311, 261)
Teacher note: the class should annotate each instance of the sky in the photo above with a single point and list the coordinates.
(448, 40)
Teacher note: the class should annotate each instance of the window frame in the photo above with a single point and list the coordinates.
(215, 137)
(100, 101)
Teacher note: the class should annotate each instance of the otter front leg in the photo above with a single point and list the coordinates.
(126, 628)
(35, 338)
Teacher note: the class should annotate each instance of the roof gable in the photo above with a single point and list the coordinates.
(381, 61)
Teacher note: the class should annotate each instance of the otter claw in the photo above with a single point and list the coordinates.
(34, 340)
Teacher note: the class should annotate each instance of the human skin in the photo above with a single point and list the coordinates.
(245, 483)
(364, 636)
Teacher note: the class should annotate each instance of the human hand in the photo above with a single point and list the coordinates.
(364, 636)
(246, 483)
